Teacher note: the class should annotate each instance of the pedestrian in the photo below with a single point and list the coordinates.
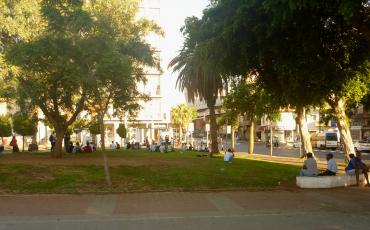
(52, 139)
(14, 144)
(70, 147)
(309, 166)
(67, 139)
(332, 166)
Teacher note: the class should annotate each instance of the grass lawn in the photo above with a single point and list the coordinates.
(138, 171)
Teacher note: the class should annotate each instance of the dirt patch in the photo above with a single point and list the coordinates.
(39, 160)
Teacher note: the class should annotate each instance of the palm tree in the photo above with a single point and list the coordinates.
(196, 75)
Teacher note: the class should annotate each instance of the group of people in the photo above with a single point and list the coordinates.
(355, 167)
(115, 145)
(88, 148)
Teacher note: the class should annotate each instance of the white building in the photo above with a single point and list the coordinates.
(153, 120)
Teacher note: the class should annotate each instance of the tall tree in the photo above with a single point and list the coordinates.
(283, 40)
(51, 73)
(116, 55)
(181, 116)
(196, 74)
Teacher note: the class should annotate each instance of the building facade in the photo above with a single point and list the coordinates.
(360, 124)
(153, 120)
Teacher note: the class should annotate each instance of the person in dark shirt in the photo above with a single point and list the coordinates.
(356, 167)
(88, 148)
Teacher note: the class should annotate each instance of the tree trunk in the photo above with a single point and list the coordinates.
(102, 140)
(22, 143)
(213, 124)
(339, 107)
(57, 151)
(180, 135)
(251, 135)
(303, 130)
(233, 138)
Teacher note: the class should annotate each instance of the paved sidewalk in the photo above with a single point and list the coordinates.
(346, 208)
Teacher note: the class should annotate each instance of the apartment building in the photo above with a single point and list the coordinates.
(153, 120)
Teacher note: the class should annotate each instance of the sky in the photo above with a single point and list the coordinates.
(173, 14)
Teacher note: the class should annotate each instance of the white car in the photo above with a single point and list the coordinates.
(362, 146)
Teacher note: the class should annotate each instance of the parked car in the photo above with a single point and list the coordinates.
(362, 146)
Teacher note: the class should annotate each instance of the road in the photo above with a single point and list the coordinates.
(289, 151)
(334, 209)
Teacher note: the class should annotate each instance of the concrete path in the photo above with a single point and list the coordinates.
(346, 208)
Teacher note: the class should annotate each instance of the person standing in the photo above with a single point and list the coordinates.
(67, 139)
(52, 140)
(14, 144)
(309, 166)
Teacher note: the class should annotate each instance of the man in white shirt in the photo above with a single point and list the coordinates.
(332, 166)
(229, 156)
(113, 145)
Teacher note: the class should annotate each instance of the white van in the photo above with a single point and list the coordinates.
(325, 140)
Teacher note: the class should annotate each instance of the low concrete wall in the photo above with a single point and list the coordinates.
(341, 180)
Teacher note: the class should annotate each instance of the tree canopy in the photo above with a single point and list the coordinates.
(303, 52)
(5, 126)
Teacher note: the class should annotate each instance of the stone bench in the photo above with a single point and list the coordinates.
(341, 180)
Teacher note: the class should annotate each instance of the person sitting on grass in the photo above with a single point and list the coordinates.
(77, 148)
(88, 148)
(332, 166)
(356, 167)
(229, 156)
(113, 145)
(309, 166)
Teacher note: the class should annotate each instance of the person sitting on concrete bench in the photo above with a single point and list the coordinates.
(356, 167)
(309, 166)
(332, 168)
(350, 168)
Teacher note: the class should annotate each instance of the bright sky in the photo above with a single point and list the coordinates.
(173, 14)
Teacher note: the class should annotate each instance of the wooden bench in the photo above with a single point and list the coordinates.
(341, 180)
